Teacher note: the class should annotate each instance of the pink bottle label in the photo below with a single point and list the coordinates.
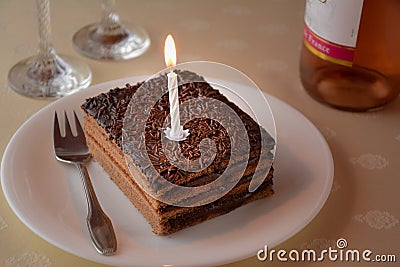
(327, 50)
(331, 29)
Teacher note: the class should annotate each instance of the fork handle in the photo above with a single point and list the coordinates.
(100, 227)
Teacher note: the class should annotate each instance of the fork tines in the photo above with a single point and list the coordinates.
(68, 130)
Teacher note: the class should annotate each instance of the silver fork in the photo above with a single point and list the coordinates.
(73, 149)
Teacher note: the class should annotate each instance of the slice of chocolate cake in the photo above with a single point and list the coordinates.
(219, 158)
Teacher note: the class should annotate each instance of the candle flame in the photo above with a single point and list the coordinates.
(170, 51)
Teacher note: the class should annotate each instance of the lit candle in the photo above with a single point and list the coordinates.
(176, 131)
(170, 61)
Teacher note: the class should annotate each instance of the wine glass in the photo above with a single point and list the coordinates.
(47, 75)
(110, 39)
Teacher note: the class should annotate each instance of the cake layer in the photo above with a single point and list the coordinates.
(110, 153)
(166, 220)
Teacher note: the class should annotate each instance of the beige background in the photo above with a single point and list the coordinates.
(260, 38)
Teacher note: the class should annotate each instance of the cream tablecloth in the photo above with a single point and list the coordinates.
(261, 38)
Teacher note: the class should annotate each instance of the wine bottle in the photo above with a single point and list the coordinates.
(350, 57)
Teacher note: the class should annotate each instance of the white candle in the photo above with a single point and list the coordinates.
(176, 131)
(174, 105)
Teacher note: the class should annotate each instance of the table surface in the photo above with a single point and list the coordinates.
(262, 39)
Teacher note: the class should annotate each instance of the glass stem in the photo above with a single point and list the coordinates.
(110, 25)
(110, 19)
(45, 47)
(47, 64)
(108, 7)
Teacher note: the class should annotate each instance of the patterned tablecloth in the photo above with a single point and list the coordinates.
(261, 38)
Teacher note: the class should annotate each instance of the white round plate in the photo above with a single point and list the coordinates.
(48, 196)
